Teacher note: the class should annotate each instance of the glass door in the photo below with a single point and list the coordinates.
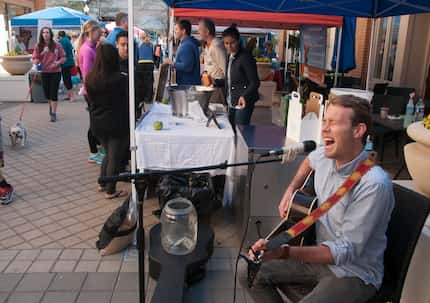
(386, 40)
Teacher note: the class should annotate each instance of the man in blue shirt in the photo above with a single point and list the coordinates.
(187, 62)
(121, 21)
(347, 262)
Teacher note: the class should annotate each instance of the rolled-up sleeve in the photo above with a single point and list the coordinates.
(367, 216)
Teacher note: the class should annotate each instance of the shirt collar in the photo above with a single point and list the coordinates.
(348, 168)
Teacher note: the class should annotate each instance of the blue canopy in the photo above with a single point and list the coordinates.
(61, 17)
(347, 8)
(347, 46)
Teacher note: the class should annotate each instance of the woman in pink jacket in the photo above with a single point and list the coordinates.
(88, 41)
(49, 55)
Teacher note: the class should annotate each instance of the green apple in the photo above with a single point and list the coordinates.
(158, 125)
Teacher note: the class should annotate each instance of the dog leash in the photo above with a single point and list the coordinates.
(21, 114)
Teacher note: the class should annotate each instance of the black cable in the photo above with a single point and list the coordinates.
(244, 233)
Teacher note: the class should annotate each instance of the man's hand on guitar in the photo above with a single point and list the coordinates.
(285, 203)
(269, 254)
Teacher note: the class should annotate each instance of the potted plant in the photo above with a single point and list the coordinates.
(17, 62)
(417, 155)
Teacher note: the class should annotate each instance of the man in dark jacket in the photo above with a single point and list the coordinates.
(187, 63)
(241, 80)
(122, 46)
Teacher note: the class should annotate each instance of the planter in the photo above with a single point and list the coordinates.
(264, 69)
(17, 65)
(417, 156)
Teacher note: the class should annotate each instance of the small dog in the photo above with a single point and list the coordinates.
(18, 134)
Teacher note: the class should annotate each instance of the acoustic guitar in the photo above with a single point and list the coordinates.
(302, 203)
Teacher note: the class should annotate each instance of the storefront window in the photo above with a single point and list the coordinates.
(380, 47)
(394, 35)
(7, 12)
(386, 47)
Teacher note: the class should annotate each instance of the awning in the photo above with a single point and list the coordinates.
(350, 8)
(61, 17)
(257, 19)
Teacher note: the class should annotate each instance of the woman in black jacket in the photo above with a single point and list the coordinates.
(108, 99)
(241, 79)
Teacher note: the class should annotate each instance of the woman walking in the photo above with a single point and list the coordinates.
(67, 66)
(108, 99)
(86, 51)
(50, 55)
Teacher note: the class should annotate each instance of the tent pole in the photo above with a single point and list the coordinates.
(170, 45)
(339, 40)
(131, 93)
(369, 63)
(133, 205)
(286, 54)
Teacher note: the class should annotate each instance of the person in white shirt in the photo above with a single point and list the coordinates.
(215, 59)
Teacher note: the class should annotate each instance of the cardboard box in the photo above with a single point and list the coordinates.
(266, 90)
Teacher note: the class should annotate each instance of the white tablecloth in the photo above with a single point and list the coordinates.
(365, 94)
(184, 143)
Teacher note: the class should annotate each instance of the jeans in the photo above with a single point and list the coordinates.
(116, 150)
(326, 287)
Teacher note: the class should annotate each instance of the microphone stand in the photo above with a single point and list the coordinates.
(141, 188)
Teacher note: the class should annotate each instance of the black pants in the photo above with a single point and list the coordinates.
(67, 77)
(116, 150)
(50, 83)
(241, 116)
(92, 140)
(144, 83)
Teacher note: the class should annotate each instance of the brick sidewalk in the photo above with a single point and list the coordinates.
(47, 236)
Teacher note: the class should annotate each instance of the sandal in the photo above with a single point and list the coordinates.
(117, 194)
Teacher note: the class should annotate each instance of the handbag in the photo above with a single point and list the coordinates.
(117, 231)
(198, 188)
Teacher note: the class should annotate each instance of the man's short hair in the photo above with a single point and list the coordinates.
(186, 25)
(360, 108)
(120, 18)
(210, 26)
(121, 34)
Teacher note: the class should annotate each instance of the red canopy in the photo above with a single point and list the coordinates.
(257, 19)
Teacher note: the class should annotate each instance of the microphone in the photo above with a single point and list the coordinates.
(298, 148)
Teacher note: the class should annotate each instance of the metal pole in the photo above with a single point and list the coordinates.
(339, 42)
(287, 45)
(133, 148)
(369, 63)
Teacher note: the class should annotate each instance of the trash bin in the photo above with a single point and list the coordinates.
(37, 94)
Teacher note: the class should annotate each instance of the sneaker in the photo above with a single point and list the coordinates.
(6, 195)
(53, 117)
(92, 158)
(101, 150)
(99, 158)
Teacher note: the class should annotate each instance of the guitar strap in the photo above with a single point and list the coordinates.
(309, 220)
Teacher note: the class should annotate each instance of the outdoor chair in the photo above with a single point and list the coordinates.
(380, 88)
(404, 229)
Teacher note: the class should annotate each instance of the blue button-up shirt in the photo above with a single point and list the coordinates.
(354, 229)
